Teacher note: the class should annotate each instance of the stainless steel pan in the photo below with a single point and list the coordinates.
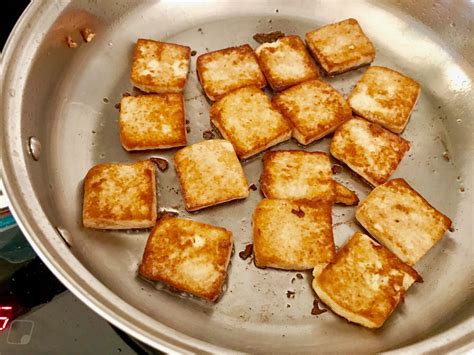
(64, 98)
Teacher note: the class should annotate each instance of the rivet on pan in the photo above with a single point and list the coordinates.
(34, 147)
(64, 234)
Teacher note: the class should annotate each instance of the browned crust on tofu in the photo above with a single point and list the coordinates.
(188, 256)
(314, 108)
(403, 220)
(292, 235)
(247, 118)
(356, 51)
(290, 53)
(350, 144)
(163, 80)
(240, 69)
(120, 196)
(157, 121)
(281, 180)
(365, 282)
(389, 108)
(344, 195)
(210, 173)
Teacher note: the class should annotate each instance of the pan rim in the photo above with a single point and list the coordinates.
(88, 292)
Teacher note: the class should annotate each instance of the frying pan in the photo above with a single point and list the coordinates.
(58, 119)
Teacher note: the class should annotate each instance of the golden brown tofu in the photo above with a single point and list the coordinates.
(188, 256)
(286, 62)
(386, 97)
(402, 220)
(228, 69)
(120, 196)
(160, 67)
(152, 121)
(365, 282)
(344, 195)
(368, 149)
(210, 173)
(247, 118)
(314, 108)
(340, 47)
(292, 235)
(297, 175)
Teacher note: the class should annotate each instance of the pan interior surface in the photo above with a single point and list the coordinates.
(66, 99)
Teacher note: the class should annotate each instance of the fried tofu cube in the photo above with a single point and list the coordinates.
(228, 69)
(340, 47)
(365, 282)
(160, 67)
(188, 256)
(344, 195)
(247, 118)
(402, 220)
(314, 108)
(368, 149)
(120, 196)
(386, 97)
(210, 173)
(292, 235)
(152, 121)
(286, 62)
(297, 175)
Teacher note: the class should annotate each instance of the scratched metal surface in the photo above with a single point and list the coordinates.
(65, 97)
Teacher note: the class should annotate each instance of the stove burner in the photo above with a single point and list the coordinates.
(28, 287)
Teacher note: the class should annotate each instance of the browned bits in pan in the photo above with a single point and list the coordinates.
(336, 169)
(161, 163)
(162, 214)
(268, 37)
(316, 310)
(70, 42)
(209, 134)
(298, 212)
(247, 252)
(87, 34)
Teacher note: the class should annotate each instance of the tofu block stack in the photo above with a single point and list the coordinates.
(156, 121)
(292, 225)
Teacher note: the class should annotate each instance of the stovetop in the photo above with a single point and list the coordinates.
(39, 316)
